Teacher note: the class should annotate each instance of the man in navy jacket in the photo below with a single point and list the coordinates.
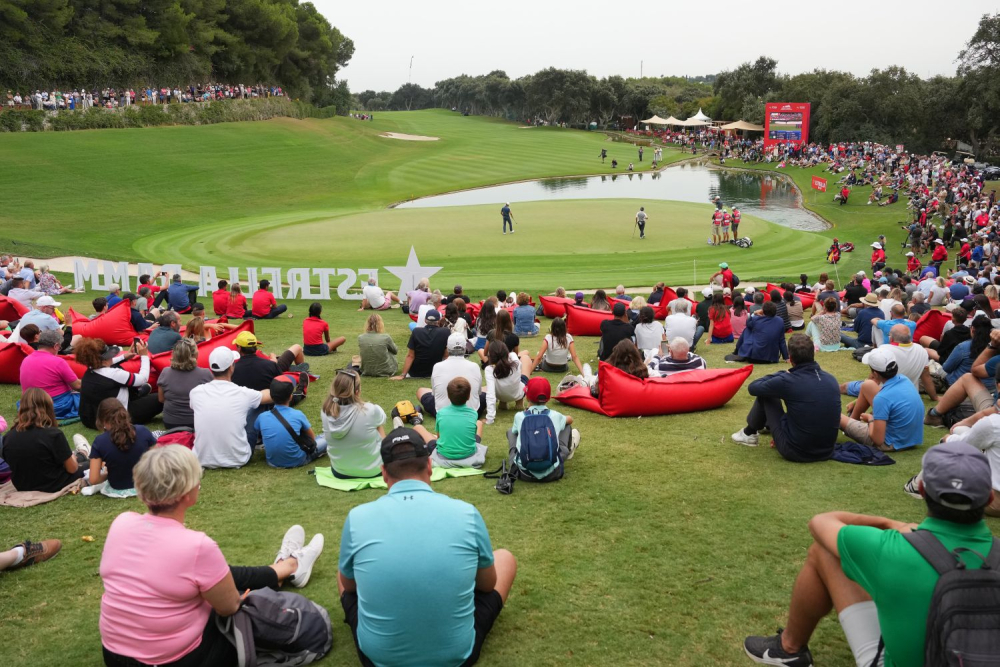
(810, 428)
(763, 341)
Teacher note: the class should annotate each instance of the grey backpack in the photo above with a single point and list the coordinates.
(275, 628)
(963, 624)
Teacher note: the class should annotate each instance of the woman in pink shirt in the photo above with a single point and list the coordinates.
(165, 583)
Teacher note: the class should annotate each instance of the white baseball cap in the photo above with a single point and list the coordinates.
(222, 358)
(456, 343)
(909, 254)
(880, 360)
(706, 292)
(939, 241)
(47, 301)
(877, 245)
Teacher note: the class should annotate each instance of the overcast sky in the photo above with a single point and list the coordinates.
(447, 38)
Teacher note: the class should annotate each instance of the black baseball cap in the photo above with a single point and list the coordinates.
(432, 316)
(404, 443)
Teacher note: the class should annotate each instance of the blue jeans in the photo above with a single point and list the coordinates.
(698, 333)
(850, 341)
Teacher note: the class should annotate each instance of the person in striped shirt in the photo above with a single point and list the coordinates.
(678, 359)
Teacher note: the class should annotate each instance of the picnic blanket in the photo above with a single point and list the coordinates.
(324, 477)
(11, 497)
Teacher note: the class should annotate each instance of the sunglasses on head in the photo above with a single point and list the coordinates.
(348, 371)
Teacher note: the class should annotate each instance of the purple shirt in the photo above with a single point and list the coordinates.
(417, 298)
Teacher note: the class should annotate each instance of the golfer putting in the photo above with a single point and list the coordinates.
(508, 219)
(640, 222)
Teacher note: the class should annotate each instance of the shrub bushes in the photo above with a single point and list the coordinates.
(224, 111)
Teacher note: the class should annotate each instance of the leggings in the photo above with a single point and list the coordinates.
(215, 648)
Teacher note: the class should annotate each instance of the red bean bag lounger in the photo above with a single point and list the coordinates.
(555, 306)
(659, 310)
(113, 327)
(931, 324)
(11, 356)
(623, 395)
(581, 321)
(807, 299)
(11, 309)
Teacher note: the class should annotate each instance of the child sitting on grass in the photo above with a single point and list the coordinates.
(281, 448)
(460, 434)
(538, 393)
(316, 334)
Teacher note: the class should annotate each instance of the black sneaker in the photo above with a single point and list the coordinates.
(299, 368)
(768, 651)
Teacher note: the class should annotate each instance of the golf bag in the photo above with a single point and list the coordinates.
(744, 242)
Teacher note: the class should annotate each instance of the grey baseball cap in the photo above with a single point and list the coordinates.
(957, 469)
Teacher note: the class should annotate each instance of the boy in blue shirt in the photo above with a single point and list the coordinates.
(280, 447)
(537, 392)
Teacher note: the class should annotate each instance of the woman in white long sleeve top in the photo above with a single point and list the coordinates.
(504, 382)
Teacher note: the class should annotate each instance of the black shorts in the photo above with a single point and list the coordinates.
(488, 608)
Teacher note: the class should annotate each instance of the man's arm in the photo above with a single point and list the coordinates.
(928, 384)
(769, 386)
(406, 366)
(486, 579)
(825, 527)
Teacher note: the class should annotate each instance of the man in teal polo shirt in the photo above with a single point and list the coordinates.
(418, 580)
(880, 585)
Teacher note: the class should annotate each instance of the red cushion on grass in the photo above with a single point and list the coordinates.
(11, 357)
(162, 360)
(555, 306)
(931, 324)
(580, 397)
(582, 321)
(624, 395)
(11, 309)
(659, 310)
(113, 327)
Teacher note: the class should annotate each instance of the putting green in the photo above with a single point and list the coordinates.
(579, 244)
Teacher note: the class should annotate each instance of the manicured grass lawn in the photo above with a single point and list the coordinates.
(665, 544)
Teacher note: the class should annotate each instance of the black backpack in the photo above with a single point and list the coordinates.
(963, 625)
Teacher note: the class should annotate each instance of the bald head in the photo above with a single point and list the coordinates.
(898, 311)
(900, 333)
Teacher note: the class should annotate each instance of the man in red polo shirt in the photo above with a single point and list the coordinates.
(220, 299)
(264, 306)
(726, 273)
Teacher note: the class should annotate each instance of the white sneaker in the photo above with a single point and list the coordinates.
(743, 439)
(587, 372)
(307, 558)
(397, 422)
(81, 444)
(294, 538)
(574, 443)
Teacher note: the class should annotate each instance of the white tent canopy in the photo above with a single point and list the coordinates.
(654, 120)
(700, 116)
(743, 125)
(671, 121)
(690, 122)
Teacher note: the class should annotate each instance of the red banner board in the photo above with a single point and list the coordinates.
(786, 123)
(819, 184)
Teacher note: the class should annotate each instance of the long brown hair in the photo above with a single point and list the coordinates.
(235, 291)
(113, 418)
(499, 359)
(503, 325)
(195, 329)
(626, 357)
(36, 411)
(344, 391)
(88, 352)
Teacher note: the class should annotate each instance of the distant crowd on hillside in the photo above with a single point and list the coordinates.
(111, 98)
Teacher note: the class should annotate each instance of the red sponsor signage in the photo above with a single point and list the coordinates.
(786, 123)
(819, 184)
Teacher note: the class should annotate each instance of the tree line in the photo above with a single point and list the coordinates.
(891, 105)
(73, 44)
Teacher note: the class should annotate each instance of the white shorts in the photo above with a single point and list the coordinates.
(860, 624)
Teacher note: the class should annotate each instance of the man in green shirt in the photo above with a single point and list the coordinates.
(881, 587)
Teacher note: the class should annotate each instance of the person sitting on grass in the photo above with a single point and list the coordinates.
(52, 374)
(881, 586)
(281, 448)
(649, 334)
(720, 328)
(506, 376)
(459, 433)
(763, 340)
(392, 547)
(417, 296)
(896, 419)
(453, 365)
(100, 305)
(625, 357)
(353, 428)
(556, 351)
(974, 386)
(378, 351)
(174, 385)
(236, 307)
(600, 301)
(221, 411)
(220, 299)
(678, 359)
(538, 392)
(374, 298)
(913, 365)
(36, 449)
(524, 317)
(117, 450)
(104, 379)
(171, 618)
(316, 334)
(177, 295)
(427, 346)
(615, 330)
(503, 330)
(808, 430)
(824, 329)
(951, 337)
(166, 334)
(263, 305)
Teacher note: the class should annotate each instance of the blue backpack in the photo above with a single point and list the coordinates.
(539, 449)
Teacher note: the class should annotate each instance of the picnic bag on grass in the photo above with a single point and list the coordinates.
(963, 624)
(276, 628)
(539, 442)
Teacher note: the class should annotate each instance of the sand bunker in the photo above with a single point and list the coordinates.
(406, 137)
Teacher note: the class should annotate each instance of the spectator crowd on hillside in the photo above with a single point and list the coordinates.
(111, 98)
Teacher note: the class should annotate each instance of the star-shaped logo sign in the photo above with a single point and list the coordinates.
(411, 274)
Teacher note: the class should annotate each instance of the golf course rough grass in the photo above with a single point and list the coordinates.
(666, 544)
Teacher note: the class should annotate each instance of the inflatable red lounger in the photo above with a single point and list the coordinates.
(807, 299)
(659, 310)
(113, 327)
(931, 324)
(11, 309)
(555, 306)
(581, 321)
(11, 356)
(624, 395)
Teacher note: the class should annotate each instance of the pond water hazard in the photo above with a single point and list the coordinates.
(766, 195)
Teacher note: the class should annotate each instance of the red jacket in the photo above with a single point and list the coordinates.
(878, 255)
(912, 264)
(940, 253)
